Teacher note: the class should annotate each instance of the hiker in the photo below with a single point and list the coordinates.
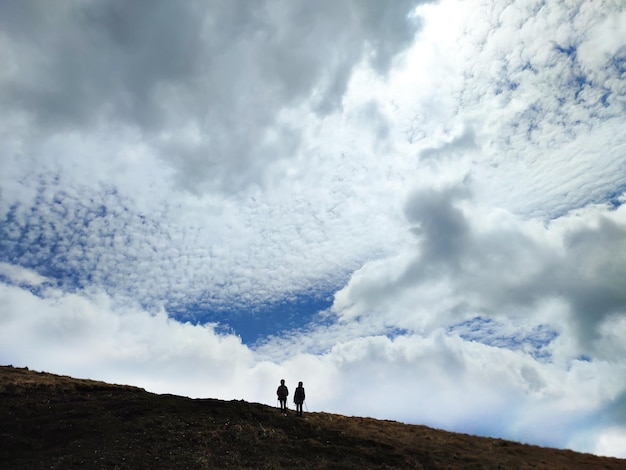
(282, 393)
(298, 398)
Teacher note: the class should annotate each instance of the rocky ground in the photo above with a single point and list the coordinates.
(50, 421)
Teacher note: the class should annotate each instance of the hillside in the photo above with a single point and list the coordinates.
(51, 421)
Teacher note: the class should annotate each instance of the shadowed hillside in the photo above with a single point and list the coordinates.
(51, 421)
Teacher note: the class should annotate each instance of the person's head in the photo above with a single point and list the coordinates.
(282, 381)
(299, 384)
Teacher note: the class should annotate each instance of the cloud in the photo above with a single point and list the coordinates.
(188, 123)
(468, 262)
(446, 382)
(201, 85)
(611, 443)
(82, 236)
(92, 336)
(19, 275)
(531, 98)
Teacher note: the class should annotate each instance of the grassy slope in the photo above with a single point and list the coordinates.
(50, 421)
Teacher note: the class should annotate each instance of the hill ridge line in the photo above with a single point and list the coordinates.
(56, 421)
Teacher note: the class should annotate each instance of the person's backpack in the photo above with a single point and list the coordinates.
(282, 391)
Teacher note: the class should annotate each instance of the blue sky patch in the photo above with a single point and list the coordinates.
(535, 341)
(258, 322)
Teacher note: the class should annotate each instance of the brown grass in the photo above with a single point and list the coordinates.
(50, 421)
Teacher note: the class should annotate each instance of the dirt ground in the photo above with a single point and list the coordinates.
(49, 421)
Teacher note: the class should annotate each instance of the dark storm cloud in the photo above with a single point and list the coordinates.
(593, 277)
(439, 224)
(510, 268)
(202, 82)
(500, 266)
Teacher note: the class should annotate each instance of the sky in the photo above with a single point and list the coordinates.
(414, 207)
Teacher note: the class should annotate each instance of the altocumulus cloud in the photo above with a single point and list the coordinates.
(416, 208)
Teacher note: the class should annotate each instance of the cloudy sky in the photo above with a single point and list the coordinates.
(416, 208)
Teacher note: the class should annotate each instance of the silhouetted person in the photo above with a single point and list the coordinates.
(283, 392)
(298, 398)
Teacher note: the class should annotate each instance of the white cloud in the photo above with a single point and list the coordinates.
(612, 442)
(19, 275)
(89, 335)
(536, 111)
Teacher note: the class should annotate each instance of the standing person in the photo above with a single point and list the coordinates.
(283, 392)
(298, 398)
